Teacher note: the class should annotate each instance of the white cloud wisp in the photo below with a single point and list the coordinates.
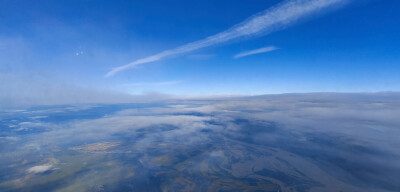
(256, 51)
(270, 20)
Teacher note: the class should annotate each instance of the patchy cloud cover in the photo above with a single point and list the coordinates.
(314, 140)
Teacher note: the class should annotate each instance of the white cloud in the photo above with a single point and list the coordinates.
(256, 51)
(10, 138)
(40, 168)
(270, 20)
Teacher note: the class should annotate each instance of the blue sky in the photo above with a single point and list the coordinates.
(350, 46)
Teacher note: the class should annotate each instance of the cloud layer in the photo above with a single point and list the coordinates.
(270, 20)
(310, 142)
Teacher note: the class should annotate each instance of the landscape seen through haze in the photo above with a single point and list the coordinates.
(202, 95)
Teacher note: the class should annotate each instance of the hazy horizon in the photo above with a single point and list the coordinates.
(199, 95)
(190, 48)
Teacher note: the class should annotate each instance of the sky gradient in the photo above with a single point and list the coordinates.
(342, 46)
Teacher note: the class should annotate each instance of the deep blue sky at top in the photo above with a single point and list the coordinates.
(348, 49)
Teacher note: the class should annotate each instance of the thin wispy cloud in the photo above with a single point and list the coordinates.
(256, 51)
(265, 22)
(152, 83)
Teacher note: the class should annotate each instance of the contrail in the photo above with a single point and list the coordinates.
(256, 51)
(265, 22)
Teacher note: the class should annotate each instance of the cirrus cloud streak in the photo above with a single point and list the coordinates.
(256, 51)
(270, 20)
